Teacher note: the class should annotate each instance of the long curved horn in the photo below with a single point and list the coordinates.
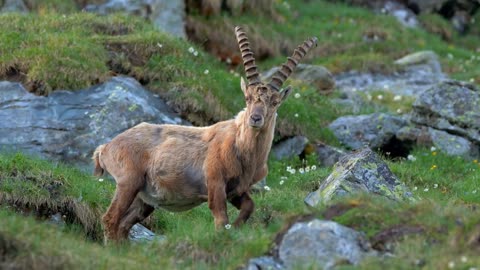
(287, 68)
(247, 56)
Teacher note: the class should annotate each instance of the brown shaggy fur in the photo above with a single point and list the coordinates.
(179, 167)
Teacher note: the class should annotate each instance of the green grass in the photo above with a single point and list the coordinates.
(447, 214)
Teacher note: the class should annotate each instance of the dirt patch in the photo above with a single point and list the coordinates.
(187, 250)
(384, 240)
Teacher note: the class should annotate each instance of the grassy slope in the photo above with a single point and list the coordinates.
(447, 213)
(447, 209)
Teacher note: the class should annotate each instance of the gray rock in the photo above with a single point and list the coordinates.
(139, 233)
(289, 148)
(411, 81)
(350, 101)
(429, 58)
(167, 15)
(318, 76)
(404, 15)
(451, 106)
(453, 145)
(67, 126)
(264, 263)
(319, 244)
(14, 6)
(363, 171)
(374, 130)
(328, 155)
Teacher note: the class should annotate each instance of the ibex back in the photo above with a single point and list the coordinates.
(179, 167)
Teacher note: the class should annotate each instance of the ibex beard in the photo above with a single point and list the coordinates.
(179, 167)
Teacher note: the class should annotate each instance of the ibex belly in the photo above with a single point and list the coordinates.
(175, 193)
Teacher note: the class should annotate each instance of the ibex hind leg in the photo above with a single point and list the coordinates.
(246, 206)
(137, 212)
(125, 193)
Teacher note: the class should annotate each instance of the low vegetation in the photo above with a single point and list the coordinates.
(439, 230)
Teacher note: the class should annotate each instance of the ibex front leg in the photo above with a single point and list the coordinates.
(217, 202)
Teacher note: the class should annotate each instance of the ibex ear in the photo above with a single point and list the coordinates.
(243, 85)
(285, 92)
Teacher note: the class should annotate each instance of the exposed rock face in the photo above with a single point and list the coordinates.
(363, 171)
(68, 126)
(318, 76)
(290, 147)
(316, 244)
(451, 106)
(14, 6)
(168, 15)
(374, 130)
(328, 155)
(429, 58)
(412, 81)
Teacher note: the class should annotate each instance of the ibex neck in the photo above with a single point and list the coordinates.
(253, 141)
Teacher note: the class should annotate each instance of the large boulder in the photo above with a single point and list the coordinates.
(419, 71)
(168, 15)
(315, 244)
(451, 106)
(67, 126)
(373, 130)
(289, 148)
(362, 171)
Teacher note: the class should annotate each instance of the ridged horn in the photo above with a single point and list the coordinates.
(247, 56)
(287, 68)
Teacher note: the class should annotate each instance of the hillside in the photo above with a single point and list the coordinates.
(50, 212)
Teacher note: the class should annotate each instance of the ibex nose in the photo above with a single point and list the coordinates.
(256, 118)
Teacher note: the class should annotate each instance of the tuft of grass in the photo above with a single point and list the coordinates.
(34, 185)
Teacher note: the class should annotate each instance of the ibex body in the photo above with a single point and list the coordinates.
(179, 167)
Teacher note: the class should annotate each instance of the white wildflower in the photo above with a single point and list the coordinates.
(267, 188)
(474, 192)
(399, 111)
(160, 45)
(228, 226)
(472, 80)
(297, 95)
(228, 60)
(292, 171)
(380, 97)
(473, 268)
(450, 56)
(281, 182)
(433, 148)
(425, 189)
(296, 115)
(206, 72)
(397, 98)
(307, 169)
(451, 264)
(314, 167)
(354, 89)
(411, 157)
(463, 259)
(415, 188)
(191, 50)
(289, 168)
(385, 86)
(100, 179)
(195, 53)
(435, 185)
(301, 170)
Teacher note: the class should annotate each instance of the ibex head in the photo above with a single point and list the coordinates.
(263, 99)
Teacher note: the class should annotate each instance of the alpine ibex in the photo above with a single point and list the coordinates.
(179, 167)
